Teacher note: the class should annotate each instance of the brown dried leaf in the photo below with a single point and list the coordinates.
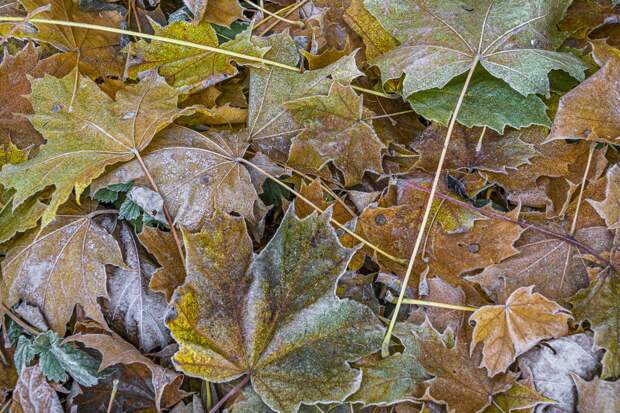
(133, 310)
(578, 118)
(497, 152)
(96, 53)
(509, 330)
(459, 382)
(489, 242)
(597, 395)
(196, 174)
(552, 265)
(33, 394)
(609, 208)
(161, 245)
(62, 266)
(335, 128)
(164, 384)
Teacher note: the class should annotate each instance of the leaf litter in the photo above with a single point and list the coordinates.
(309, 206)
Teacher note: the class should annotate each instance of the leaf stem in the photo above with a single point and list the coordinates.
(297, 23)
(178, 42)
(584, 181)
(287, 13)
(427, 211)
(173, 229)
(525, 225)
(281, 12)
(315, 207)
(388, 115)
(113, 395)
(32, 330)
(425, 303)
(231, 393)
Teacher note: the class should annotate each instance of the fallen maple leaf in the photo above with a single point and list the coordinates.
(280, 314)
(511, 329)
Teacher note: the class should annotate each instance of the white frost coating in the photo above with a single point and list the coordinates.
(550, 366)
(133, 307)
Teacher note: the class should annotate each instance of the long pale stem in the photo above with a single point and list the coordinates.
(297, 23)
(427, 211)
(584, 181)
(178, 42)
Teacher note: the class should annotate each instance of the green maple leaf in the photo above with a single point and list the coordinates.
(274, 317)
(86, 131)
(395, 378)
(191, 69)
(489, 102)
(514, 40)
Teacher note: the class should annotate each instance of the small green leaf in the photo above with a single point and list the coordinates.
(129, 210)
(488, 102)
(57, 359)
(111, 193)
(24, 353)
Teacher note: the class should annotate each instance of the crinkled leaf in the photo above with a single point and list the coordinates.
(335, 128)
(85, 133)
(510, 329)
(277, 316)
(62, 266)
(134, 310)
(514, 41)
(186, 68)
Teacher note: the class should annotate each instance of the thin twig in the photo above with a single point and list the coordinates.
(175, 235)
(317, 208)
(231, 393)
(287, 13)
(32, 330)
(584, 181)
(297, 23)
(389, 115)
(177, 42)
(425, 303)
(268, 17)
(429, 204)
(525, 225)
(112, 395)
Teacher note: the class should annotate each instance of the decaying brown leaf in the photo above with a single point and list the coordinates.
(511, 329)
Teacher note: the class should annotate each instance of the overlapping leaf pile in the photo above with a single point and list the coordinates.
(217, 205)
